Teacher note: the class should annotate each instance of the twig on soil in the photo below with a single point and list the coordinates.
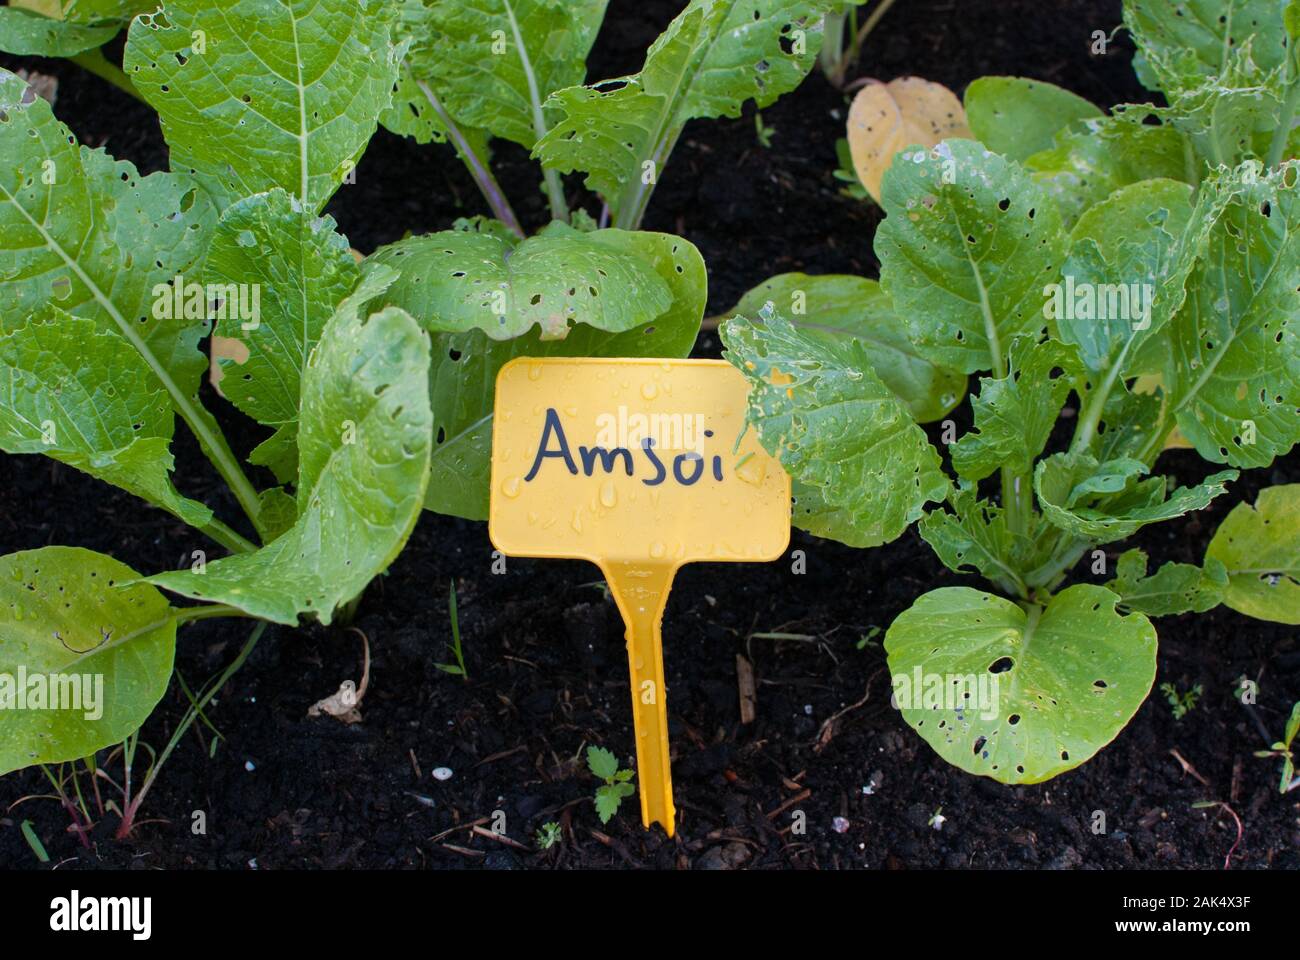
(1188, 768)
(460, 826)
(501, 755)
(831, 726)
(500, 838)
(799, 797)
(463, 851)
(617, 847)
(415, 765)
(745, 686)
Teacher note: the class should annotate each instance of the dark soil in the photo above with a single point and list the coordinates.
(544, 647)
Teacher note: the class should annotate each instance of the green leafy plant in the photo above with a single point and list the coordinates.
(617, 783)
(371, 380)
(548, 835)
(1283, 750)
(1149, 270)
(1181, 703)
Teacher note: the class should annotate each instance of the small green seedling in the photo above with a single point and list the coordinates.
(1181, 703)
(33, 841)
(937, 819)
(548, 835)
(868, 639)
(763, 132)
(617, 784)
(456, 669)
(1283, 749)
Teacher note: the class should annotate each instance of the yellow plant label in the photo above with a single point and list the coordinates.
(639, 466)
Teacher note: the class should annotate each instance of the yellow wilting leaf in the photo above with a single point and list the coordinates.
(1149, 383)
(887, 117)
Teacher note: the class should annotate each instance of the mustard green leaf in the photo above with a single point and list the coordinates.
(107, 646)
(1018, 117)
(1260, 547)
(258, 94)
(1045, 689)
(835, 307)
(821, 409)
(966, 249)
(363, 442)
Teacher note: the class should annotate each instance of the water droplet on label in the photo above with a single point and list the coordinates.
(649, 391)
(752, 471)
(608, 495)
(576, 522)
(534, 371)
(657, 549)
(510, 487)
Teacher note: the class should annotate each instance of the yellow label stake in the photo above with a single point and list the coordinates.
(634, 465)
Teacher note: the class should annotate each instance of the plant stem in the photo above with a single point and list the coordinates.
(227, 537)
(631, 214)
(832, 52)
(872, 20)
(554, 188)
(477, 166)
(95, 62)
(133, 806)
(207, 612)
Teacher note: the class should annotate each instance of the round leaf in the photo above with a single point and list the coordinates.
(66, 615)
(1019, 697)
(1260, 546)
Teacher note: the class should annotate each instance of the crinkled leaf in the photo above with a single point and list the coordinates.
(714, 56)
(1233, 365)
(1126, 273)
(610, 797)
(1233, 115)
(363, 441)
(494, 63)
(283, 94)
(819, 407)
(1181, 41)
(26, 33)
(1018, 117)
(66, 613)
(1174, 588)
(839, 307)
(1069, 485)
(1093, 158)
(1046, 692)
(975, 538)
(302, 269)
(965, 251)
(459, 280)
(1014, 415)
(88, 234)
(465, 365)
(1260, 547)
(82, 394)
(887, 117)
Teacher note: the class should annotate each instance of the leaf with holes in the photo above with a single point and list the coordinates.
(464, 369)
(363, 462)
(884, 118)
(258, 94)
(75, 633)
(1260, 547)
(1174, 588)
(489, 280)
(1103, 502)
(281, 272)
(845, 308)
(1015, 414)
(966, 249)
(820, 408)
(1018, 117)
(1019, 696)
(81, 394)
(1232, 370)
(714, 57)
